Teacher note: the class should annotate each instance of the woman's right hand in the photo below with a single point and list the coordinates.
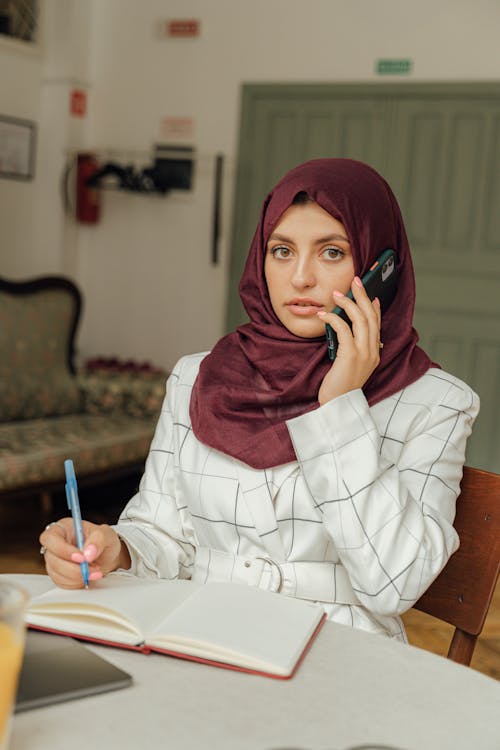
(103, 551)
(358, 352)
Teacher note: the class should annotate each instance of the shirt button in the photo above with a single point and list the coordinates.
(247, 563)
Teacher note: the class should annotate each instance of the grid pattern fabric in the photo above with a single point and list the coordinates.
(372, 493)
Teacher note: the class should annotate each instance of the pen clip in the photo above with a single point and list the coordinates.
(70, 485)
(68, 500)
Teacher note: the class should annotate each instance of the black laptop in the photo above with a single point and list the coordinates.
(57, 668)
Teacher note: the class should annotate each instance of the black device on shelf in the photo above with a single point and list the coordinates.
(172, 169)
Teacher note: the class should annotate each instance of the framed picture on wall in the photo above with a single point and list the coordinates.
(17, 148)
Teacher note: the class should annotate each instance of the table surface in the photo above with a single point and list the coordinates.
(352, 689)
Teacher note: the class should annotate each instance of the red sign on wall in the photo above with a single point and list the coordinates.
(78, 103)
(177, 127)
(183, 27)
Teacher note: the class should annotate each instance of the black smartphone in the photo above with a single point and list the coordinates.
(379, 281)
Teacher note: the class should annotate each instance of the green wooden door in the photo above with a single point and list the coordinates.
(439, 148)
(445, 169)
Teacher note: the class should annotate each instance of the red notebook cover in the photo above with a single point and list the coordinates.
(144, 649)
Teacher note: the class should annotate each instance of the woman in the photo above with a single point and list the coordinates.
(272, 466)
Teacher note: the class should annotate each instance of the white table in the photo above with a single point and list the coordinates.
(352, 689)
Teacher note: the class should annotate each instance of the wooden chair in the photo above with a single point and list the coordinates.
(462, 593)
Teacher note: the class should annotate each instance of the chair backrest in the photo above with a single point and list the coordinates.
(38, 322)
(39, 310)
(462, 593)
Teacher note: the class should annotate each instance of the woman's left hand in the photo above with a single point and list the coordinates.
(358, 352)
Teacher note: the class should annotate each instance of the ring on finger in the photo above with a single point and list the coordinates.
(55, 523)
(43, 548)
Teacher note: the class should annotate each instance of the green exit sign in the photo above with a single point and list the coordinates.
(394, 67)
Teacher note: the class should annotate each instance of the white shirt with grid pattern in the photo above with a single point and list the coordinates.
(373, 490)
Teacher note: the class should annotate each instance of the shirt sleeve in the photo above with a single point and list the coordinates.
(158, 533)
(388, 511)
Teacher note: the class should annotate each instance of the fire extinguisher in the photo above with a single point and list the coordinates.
(88, 199)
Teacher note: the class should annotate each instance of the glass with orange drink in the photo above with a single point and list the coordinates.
(12, 605)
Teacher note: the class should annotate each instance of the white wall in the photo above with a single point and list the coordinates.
(150, 289)
(66, 57)
(35, 84)
(18, 197)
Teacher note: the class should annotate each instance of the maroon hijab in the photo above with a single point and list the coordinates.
(262, 374)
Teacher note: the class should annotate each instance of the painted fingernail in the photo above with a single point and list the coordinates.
(77, 557)
(338, 294)
(90, 552)
(95, 576)
(358, 281)
(321, 313)
(376, 301)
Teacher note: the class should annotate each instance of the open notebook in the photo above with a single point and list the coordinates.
(225, 624)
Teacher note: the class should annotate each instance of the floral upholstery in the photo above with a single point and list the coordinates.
(35, 380)
(28, 397)
(33, 451)
(104, 420)
(136, 395)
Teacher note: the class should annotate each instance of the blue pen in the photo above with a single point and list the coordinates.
(74, 506)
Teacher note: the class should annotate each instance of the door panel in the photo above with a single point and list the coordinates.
(491, 195)
(439, 148)
(417, 174)
(484, 447)
(319, 134)
(467, 345)
(464, 158)
(445, 170)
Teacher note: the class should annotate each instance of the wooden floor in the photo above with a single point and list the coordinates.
(22, 521)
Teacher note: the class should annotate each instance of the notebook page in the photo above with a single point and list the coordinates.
(228, 621)
(119, 606)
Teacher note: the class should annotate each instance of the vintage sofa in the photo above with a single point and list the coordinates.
(104, 421)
